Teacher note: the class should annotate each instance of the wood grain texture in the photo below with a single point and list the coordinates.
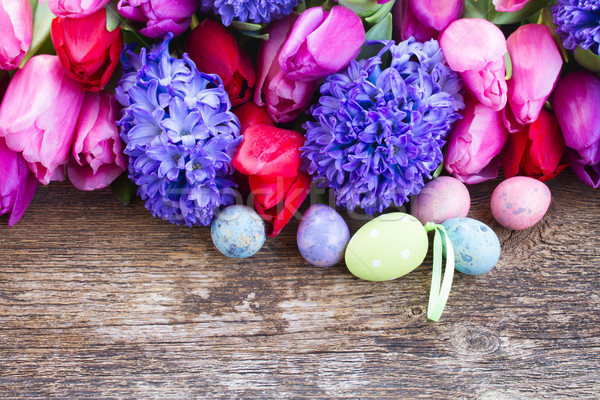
(102, 301)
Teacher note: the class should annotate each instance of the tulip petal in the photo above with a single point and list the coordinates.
(268, 150)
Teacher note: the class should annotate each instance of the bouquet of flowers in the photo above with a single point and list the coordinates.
(227, 113)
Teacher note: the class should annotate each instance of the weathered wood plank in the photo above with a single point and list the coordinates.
(102, 301)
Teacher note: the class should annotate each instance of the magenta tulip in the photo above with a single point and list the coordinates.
(97, 154)
(16, 29)
(75, 8)
(424, 19)
(321, 43)
(159, 16)
(576, 102)
(17, 184)
(509, 5)
(38, 115)
(284, 98)
(475, 48)
(536, 64)
(475, 143)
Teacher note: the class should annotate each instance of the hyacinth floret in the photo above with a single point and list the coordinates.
(379, 131)
(180, 135)
(578, 23)
(256, 11)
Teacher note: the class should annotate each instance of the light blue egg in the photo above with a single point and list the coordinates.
(238, 231)
(476, 246)
(322, 236)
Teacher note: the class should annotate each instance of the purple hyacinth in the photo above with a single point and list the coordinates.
(578, 23)
(180, 135)
(256, 11)
(379, 130)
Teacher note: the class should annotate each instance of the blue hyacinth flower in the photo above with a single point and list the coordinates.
(378, 128)
(256, 11)
(180, 135)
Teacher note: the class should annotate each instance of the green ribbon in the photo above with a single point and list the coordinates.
(440, 290)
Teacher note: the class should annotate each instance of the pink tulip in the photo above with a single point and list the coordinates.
(17, 184)
(285, 99)
(97, 154)
(509, 5)
(536, 64)
(475, 48)
(475, 142)
(38, 115)
(424, 19)
(75, 8)
(576, 102)
(321, 43)
(16, 29)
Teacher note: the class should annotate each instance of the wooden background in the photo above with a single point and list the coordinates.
(101, 301)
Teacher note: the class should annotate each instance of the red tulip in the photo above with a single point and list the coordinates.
(86, 49)
(535, 151)
(270, 157)
(250, 114)
(214, 51)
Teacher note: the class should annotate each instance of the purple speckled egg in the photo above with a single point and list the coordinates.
(520, 202)
(322, 236)
(441, 199)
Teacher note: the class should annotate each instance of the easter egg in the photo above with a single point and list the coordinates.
(238, 231)
(520, 202)
(476, 246)
(322, 236)
(387, 247)
(441, 199)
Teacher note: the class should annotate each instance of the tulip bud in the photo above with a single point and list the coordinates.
(86, 49)
(509, 5)
(576, 102)
(97, 155)
(321, 43)
(38, 115)
(424, 19)
(475, 142)
(16, 27)
(285, 99)
(475, 48)
(214, 51)
(17, 184)
(536, 151)
(530, 85)
(250, 114)
(159, 16)
(76, 8)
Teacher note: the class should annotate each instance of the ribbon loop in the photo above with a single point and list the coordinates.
(440, 290)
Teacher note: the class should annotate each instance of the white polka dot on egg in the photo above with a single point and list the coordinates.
(374, 233)
(376, 263)
(405, 253)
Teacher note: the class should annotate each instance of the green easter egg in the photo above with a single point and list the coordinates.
(387, 247)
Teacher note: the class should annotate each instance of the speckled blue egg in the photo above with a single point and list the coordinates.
(476, 246)
(238, 231)
(322, 236)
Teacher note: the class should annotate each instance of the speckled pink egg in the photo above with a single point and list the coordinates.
(520, 202)
(441, 199)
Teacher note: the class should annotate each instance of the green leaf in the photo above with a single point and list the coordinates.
(587, 59)
(124, 189)
(508, 65)
(485, 9)
(382, 13)
(381, 31)
(246, 26)
(113, 18)
(42, 21)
